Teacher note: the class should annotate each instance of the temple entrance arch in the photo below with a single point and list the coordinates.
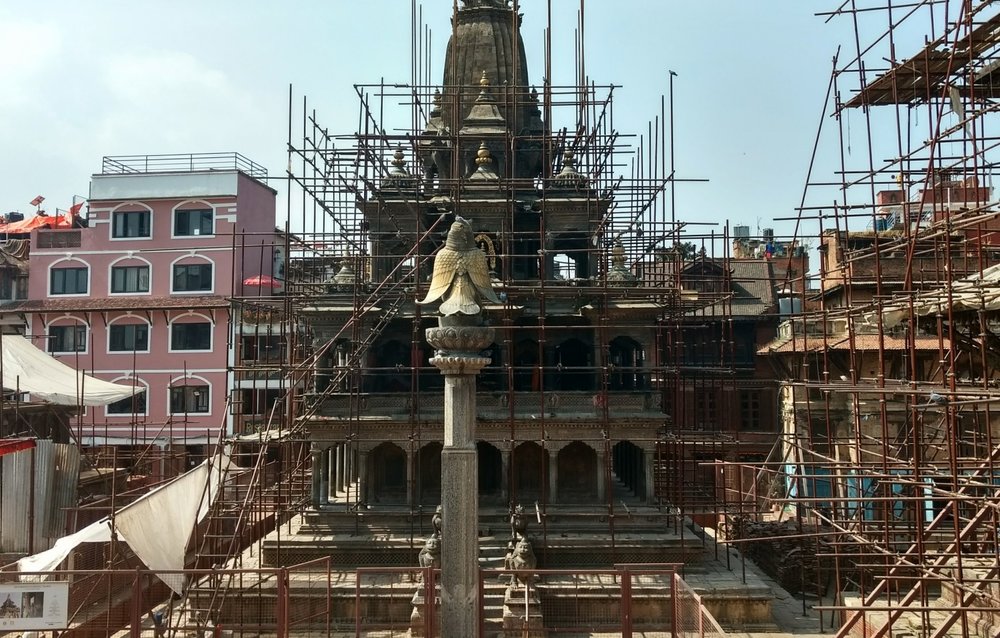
(529, 467)
(628, 464)
(577, 473)
(429, 474)
(490, 473)
(388, 474)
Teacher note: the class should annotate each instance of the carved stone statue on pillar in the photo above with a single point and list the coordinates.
(461, 279)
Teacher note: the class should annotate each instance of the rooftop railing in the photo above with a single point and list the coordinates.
(181, 163)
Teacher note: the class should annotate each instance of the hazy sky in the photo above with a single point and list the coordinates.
(81, 80)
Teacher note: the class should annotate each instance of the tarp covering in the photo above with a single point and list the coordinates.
(977, 292)
(157, 526)
(28, 369)
(99, 532)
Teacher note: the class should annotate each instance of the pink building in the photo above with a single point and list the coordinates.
(142, 294)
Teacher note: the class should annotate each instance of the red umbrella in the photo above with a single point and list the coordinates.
(262, 281)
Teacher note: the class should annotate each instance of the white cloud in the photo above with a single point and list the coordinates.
(27, 50)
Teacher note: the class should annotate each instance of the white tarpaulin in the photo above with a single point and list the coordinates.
(28, 369)
(980, 291)
(157, 526)
(99, 532)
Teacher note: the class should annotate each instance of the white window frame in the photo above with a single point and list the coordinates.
(117, 264)
(76, 320)
(181, 320)
(176, 262)
(141, 321)
(190, 380)
(191, 205)
(62, 264)
(129, 207)
(130, 381)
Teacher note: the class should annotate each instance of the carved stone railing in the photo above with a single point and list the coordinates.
(490, 404)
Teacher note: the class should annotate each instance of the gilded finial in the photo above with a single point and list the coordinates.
(483, 156)
(484, 81)
(618, 255)
(398, 158)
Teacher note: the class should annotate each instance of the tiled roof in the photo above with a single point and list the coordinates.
(753, 291)
(115, 303)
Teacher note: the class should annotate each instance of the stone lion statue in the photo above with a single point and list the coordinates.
(522, 558)
(429, 556)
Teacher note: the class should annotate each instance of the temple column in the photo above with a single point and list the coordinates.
(316, 476)
(362, 476)
(325, 480)
(505, 475)
(647, 479)
(553, 475)
(602, 480)
(411, 478)
(338, 475)
(458, 357)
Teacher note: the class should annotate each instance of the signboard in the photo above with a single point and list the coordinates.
(34, 605)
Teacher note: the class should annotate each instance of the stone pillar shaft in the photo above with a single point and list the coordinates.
(324, 463)
(648, 457)
(317, 477)
(459, 360)
(602, 479)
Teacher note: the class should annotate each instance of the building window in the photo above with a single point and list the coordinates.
(188, 223)
(193, 278)
(68, 281)
(189, 398)
(707, 418)
(130, 224)
(750, 410)
(126, 279)
(7, 277)
(260, 402)
(191, 336)
(268, 349)
(68, 338)
(129, 337)
(135, 404)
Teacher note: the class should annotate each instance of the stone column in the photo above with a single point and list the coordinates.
(324, 494)
(338, 479)
(602, 479)
(362, 475)
(505, 474)
(317, 477)
(411, 478)
(457, 355)
(553, 474)
(647, 465)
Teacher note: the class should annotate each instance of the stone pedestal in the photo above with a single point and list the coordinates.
(458, 356)
(418, 617)
(522, 613)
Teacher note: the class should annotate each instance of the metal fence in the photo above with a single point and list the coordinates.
(646, 600)
(310, 599)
